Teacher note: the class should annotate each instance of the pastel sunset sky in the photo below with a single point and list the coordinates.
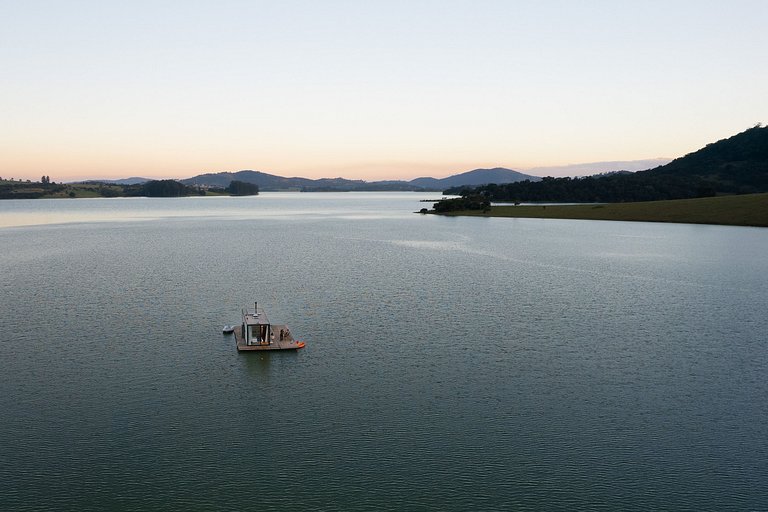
(370, 89)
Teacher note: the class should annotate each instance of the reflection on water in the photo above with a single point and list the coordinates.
(259, 365)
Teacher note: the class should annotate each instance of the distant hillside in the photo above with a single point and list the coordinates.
(474, 178)
(592, 168)
(270, 182)
(151, 188)
(737, 165)
(122, 181)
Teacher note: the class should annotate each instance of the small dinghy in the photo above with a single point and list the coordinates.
(228, 329)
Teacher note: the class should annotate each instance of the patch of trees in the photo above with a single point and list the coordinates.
(608, 189)
(15, 192)
(166, 188)
(47, 188)
(105, 191)
(469, 202)
(241, 188)
(22, 190)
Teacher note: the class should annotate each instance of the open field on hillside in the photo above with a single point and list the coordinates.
(739, 210)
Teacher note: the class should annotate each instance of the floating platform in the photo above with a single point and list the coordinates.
(287, 343)
(257, 333)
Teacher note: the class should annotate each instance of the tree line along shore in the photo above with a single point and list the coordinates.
(736, 210)
(45, 188)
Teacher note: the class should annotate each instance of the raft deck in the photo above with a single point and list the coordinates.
(287, 343)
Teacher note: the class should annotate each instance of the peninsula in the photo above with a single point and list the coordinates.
(737, 210)
(725, 182)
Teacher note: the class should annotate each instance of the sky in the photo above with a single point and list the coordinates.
(370, 89)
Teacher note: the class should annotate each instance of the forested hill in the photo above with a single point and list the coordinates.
(737, 165)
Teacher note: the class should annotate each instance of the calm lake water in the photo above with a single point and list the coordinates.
(451, 363)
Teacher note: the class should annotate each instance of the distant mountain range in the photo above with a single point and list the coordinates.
(592, 168)
(122, 181)
(270, 182)
(736, 165)
(473, 178)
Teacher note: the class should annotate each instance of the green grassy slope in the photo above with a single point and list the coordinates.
(741, 210)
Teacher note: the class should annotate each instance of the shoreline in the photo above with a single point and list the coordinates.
(738, 210)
